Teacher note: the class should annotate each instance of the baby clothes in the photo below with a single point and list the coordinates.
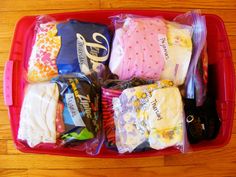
(148, 113)
(115, 90)
(108, 114)
(38, 114)
(42, 62)
(139, 48)
(166, 127)
(80, 96)
(85, 47)
(179, 50)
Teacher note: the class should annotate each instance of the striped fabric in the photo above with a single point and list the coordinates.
(108, 113)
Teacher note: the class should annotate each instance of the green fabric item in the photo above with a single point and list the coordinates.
(83, 135)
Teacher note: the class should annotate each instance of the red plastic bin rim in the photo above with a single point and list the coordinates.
(96, 13)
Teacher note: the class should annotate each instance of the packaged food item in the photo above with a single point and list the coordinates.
(85, 47)
(82, 116)
(38, 114)
(149, 114)
(42, 62)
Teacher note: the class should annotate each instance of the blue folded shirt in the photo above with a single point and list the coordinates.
(84, 47)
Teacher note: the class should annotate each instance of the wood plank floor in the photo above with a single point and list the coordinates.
(212, 163)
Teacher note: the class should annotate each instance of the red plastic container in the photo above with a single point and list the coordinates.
(221, 77)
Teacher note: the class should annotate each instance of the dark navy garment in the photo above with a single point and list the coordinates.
(84, 47)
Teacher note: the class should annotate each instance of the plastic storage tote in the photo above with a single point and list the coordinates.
(221, 77)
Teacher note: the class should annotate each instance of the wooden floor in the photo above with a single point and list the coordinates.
(218, 162)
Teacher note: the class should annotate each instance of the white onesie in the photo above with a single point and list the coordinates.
(38, 114)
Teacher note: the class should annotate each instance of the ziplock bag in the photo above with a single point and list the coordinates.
(150, 48)
(149, 115)
(112, 88)
(85, 47)
(45, 48)
(139, 47)
(195, 84)
(82, 115)
(202, 119)
(179, 50)
(38, 114)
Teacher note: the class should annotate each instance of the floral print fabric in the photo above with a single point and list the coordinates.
(179, 51)
(148, 114)
(42, 63)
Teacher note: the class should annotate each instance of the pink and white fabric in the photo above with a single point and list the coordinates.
(139, 48)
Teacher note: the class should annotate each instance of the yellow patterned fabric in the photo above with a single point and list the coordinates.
(42, 63)
(179, 51)
(179, 35)
(151, 113)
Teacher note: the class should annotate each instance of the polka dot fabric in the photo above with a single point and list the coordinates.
(138, 50)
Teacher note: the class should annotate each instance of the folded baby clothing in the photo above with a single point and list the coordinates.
(139, 48)
(81, 113)
(112, 90)
(166, 127)
(179, 51)
(148, 114)
(42, 61)
(38, 114)
(85, 47)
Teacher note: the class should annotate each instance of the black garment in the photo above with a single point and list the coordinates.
(202, 122)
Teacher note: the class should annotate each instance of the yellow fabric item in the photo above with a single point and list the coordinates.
(42, 62)
(151, 113)
(179, 50)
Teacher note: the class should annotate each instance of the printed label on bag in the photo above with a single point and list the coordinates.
(154, 108)
(73, 110)
(82, 100)
(162, 39)
(94, 47)
(82, 59)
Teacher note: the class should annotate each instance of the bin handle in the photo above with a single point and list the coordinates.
(7, 83)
